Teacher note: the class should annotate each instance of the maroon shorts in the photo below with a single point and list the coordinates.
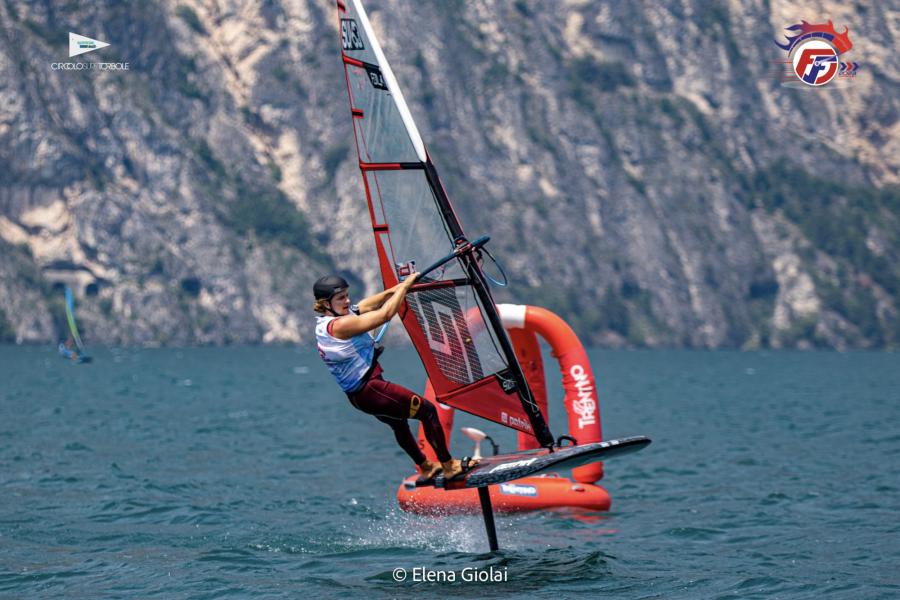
(393, 404)
(385, 399)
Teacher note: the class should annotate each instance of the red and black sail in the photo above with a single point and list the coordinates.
(451, 318)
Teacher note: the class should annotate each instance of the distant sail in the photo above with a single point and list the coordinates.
(452, 321)
(70, 317)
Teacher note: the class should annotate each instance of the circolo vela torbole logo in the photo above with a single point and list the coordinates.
(78, 45)
(815, 53)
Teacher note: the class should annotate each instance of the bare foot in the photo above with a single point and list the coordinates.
(453, 467)
(429, 469)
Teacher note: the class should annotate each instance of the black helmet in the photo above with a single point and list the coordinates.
(326, 287)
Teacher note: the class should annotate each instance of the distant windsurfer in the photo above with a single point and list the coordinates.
(342, 336)
(67, 349)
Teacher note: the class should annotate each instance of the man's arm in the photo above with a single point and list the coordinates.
(375, 301)
(351, 325)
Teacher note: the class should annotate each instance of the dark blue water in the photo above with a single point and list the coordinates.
(243, 472)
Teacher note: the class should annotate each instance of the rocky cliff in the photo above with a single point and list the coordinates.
(640, 167)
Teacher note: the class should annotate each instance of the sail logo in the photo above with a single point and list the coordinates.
(79, 44)
(438, 335)
(375, 77)
(350, 38)
(441, 319)
(406, 269)
(814, 54)
(520, 423)
(585, 406)
(514, 421)
(517, 489)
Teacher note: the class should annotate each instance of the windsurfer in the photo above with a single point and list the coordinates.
(342, 336)
(67, 349)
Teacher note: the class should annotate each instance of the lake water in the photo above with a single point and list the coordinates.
(244, 472)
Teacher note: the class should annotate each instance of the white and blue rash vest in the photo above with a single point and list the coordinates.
(348, 360)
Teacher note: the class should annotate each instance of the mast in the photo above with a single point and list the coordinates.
(479, 283)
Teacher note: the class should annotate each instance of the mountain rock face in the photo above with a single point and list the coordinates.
(640, 167)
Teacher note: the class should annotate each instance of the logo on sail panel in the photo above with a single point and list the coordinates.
(514, 421)
(350, 38)
(375, 77)
(78, 44)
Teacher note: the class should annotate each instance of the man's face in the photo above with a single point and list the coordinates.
(340, 302)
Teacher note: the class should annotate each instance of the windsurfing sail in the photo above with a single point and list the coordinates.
(451, 318)
(70, 317)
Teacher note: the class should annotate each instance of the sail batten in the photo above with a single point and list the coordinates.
(449, 315)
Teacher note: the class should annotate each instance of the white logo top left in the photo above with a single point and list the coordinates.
(78, 44)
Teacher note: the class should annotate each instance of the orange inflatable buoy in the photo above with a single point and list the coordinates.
(528, 493)
(578, 380)
(524, 324)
